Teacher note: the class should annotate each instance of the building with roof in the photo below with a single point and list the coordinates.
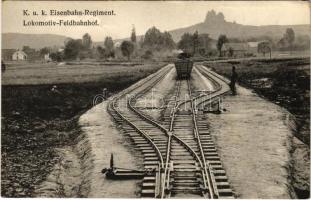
(19, 55)
(235, 49)
(47, 57)
(253, 46)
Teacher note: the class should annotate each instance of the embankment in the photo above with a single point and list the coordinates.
(40, 130)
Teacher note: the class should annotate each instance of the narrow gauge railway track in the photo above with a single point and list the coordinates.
(186, 175)
(177, 154)
(220, 88)
(196, 169)
(208, 147)
(146, 134)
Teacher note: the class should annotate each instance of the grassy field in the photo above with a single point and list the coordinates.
(283, 81)
(37, 120)
(19, 73)
(274, 55)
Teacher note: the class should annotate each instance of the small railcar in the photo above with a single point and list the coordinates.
(183, 66)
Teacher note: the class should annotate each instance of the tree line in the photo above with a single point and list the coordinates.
(154, 42)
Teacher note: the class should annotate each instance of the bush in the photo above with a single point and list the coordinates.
(147, 55)
(57, 56)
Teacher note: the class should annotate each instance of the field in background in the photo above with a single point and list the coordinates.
(282, 54)
(24, 73)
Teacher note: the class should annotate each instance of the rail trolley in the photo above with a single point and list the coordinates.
(183, 66)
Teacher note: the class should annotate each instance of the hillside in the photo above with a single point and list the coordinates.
(215, 24)
(37, 41)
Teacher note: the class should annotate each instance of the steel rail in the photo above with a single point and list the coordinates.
(169, 141)
(193, 153)
(145, 135)
(140, 114)
(171, 136)
(142, 133)
(213, 95)
(215, 83)
(206, 171)
(144, 117)
(215, 74)
(209, 177)
(165, 181)
(211, 76)
(173, 112)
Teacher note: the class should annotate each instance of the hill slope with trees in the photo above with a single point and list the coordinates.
(215, 24)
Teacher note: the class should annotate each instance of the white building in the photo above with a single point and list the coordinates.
(19, 55)
(47, 57)
(253, 46)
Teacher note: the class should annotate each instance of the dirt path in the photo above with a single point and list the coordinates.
(105, 139)
(253, 143)
(78, 172)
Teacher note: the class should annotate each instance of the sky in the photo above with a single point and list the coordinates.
(143, 15)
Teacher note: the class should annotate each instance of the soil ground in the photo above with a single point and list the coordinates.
(37, 123)
(65, 178)
(282, 81)
(285, 82)
(105, 139)
(253, 143)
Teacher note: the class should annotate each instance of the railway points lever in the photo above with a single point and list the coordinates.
(124, 173)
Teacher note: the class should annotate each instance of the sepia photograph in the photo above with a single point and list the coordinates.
(155, 99)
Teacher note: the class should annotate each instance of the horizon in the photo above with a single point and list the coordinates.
(146, 16)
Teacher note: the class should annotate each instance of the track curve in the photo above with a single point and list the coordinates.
(179, 152)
